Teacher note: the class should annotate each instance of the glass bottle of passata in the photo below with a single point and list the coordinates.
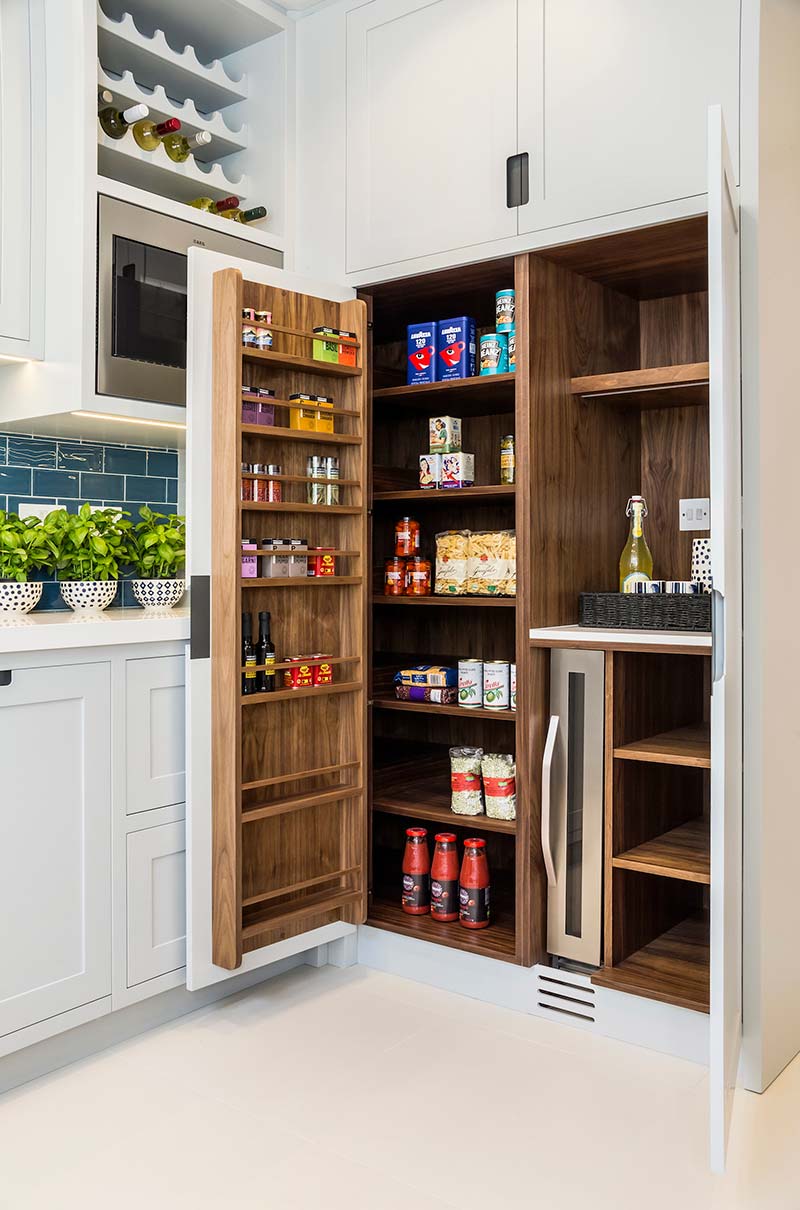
(418, 578)
(473, 888)
(406, 538)
(394, 578)
(444, 878)
(416, 873)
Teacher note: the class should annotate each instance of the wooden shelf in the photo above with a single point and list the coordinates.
(296, 405)
(281, 695)
(282, 665)
(677, 642)
(296, 581)
(475, 602)
(304, 775)
(472, 396)
(309, 365)
(393, 703)
(276, 432)
(419, 788)
(689, 746)
(664, 387)
(674, 968)
(299, 802)
(684, 853)
(268, 919)
(305, 885)
(497, 941)
(304, 479)
(493, 491)
(291, 506)
(303, 333)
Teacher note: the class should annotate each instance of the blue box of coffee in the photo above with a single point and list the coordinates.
(455, 348)
(421, 353)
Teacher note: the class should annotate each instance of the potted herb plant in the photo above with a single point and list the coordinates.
(91, 544)
(25, 546)
(156, 549)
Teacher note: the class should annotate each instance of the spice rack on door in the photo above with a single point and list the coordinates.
(290, 829)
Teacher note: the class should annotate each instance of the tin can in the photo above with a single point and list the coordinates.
(249, 337)
(262, 317)
(321, 562)
(316, 469)
(332, 472)
(508, 459)
(505, 310)
(494, 353)
(470, 683)
(512, 350)
(247, 484)
(512, 679)
(300, 675)
(496, 685)
(322, 673)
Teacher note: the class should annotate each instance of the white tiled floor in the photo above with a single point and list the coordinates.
(327, 1089)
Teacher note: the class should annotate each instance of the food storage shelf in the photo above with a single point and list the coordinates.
(303, 775)
(475, 602)
(684, 746)
(299, 802)
(466, 396)
(290, 506)
(284, 434)
(497, 941)
(683, 853)
(123, 159)
(305, 885)
(294, 581)
(420, 789)
(393, 703)
(264, 920)
(492, 491)
(282, 695)
(290, 361)
(661, 387)
(673, 969)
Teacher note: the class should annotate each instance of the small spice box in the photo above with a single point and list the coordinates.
(300, 675)
(275, 558)
(322, 673)
(326, 345)
(430, 470)
(255, 406)
(444, 434)
(307, 417)
(458, 470)
(249, 561)
(298, 559)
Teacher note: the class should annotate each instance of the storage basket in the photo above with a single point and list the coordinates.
(649, 611)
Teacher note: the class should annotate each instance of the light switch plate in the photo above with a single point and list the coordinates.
(36, 510)
(695, 514)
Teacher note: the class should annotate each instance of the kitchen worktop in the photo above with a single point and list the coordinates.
(53, 631)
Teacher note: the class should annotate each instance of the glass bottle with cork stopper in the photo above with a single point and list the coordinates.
(636, 562)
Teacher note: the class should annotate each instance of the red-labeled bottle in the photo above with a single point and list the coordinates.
(416, 873)
(444, 878)
(473, 889)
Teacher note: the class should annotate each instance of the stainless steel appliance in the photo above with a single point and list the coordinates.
(572, 805)
(141, 297)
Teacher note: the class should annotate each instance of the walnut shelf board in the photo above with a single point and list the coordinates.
(296, 581)
(497, 941)
(303, 775)
(310, 905)
(420, 789)
(679, 642)
(477, 602)
(296, 405)
(312, 662)
(480, 394)
(393, 703)
(683, 853)
(663, 387)
(299, 802)
(290, 506)
(303, 333)
(303, 478)
(673, 969)
(689, 746)
(310, 365)
(282, 695)
(305, 885)
(493, 491)
(276, 432)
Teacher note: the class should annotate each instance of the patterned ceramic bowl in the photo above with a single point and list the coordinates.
(19, 598)
(88, 596)
(158, 595)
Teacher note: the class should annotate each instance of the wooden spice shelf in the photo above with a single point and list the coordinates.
(268, 919)
(290, 506)
(296, 405)
(393, 703)
(282, 665)
(304, 479)
(497, 941)
(305, 885)
(303, 775)
(475, 602)
(303, 333)
(276, 432)
(294, 581)
(492, 491)
(299, 802)
(683, 852)
(281, 695)
(419, 788)
(309, 365)
(673, 969)
(661, 387)
(480, 394)
(688, 746)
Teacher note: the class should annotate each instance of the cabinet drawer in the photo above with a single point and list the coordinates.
(155, 733)
(156, 902)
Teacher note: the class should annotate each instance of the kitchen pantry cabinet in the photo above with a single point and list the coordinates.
(55, 840)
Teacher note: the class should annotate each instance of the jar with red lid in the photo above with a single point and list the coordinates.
(394, 578)
(444, 878)
(416, 873)
(406, 537)
(473, 886)
(418, 577)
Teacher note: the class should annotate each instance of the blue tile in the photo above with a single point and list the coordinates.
(161, 463)
(3, 446)
(51, 597)
(128, 599)
(145, 488)
(55, 483)
(125, 461)
(102, 487)
(15, 481)
(124, 506)
(31, 451)
(4, 503)
(169, 510)
(172, 491)
(73, 456)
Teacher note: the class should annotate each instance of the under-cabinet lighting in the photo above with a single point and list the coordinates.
(12, 357)
(156, 424)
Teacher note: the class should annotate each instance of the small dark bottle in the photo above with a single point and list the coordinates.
(265, 681)
(248, 655)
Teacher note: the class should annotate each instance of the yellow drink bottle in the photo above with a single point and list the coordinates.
(636, 562)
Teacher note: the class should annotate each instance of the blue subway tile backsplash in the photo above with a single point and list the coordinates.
(66, 474)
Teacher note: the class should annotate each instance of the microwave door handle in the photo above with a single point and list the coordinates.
(547, 765)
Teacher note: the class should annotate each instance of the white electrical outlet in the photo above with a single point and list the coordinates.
(695, 514)
(35, 510)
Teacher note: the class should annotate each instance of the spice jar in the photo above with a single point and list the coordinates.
(332, 472)
(316, 469)
(274, 489)
(416, 900)
(508, 459)
(444, 878)
(418, 578)
(247, 484)
(406, 537)
(473, 886)
(394, 578)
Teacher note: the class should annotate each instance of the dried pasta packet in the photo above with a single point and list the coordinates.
(465, 781)
(500, 785)
(510, 589)
(488, 567)
(452, 551)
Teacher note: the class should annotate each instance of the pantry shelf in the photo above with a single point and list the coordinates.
(673, 969)
(302, 333)
(282, 695)
(274, 432)
(299, 802)
(313, 662)
(154, 171)
(304, 775)
(497, 941)
(296, 406)
(682, 853)
(310, 365)
(268, 919)
(475, 602)
(471, 396)
(305, 885)
(664, 387)
(393, 703)
(291, 506)
(493, 491)
(689, 746)
(298, 581)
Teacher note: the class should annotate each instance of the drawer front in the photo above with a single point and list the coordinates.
(155, 733)
(156, 902)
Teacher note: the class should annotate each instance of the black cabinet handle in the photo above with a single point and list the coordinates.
(200, 618)
(517, 190)
(5, 676)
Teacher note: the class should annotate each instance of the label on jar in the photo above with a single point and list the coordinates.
(416, 890)
(394, 578)
(474, 904)
(420, 578)
(444, 896)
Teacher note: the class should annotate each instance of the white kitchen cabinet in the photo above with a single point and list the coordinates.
(613, 96)
(55, 840)
(155, 740)
(22, 178)
(431, 120)
(156, 902)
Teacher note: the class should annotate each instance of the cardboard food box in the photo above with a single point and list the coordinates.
(444, 434)
(458, 470)
(455, 348)
(421, 347)
(430, 470)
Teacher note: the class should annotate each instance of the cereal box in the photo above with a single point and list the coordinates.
(458, 470)
(444, 434)
(430, 470)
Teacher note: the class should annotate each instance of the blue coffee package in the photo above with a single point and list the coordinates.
(455, 348)
(421, 365)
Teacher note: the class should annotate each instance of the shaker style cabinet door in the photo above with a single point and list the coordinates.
(55, 841)
(613, 96)
(155, 732)
(431, 121)
(156, 901)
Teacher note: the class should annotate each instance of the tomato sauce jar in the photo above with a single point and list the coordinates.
(406, 537)
(473, 889)
(416, 873)
(394, 578)
(418, 578)
(444, 878)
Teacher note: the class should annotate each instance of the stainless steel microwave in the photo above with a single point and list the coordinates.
(141, 297)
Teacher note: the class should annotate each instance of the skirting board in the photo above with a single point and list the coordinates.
(577, 1003)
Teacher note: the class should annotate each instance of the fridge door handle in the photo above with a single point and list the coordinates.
(547, 766)
(717, 636)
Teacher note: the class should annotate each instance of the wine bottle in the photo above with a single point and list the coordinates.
(148, 134)
(115, 122)
(248, 655)
(208, 204)
(179, 148)
(636, 562)
(265, 682)
(253, 215)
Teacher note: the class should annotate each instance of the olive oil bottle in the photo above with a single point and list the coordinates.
(636, 562)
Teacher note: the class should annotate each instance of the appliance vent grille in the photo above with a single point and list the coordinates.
(567, 994)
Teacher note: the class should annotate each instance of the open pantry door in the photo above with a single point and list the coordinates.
(726, 696)
(276, 813)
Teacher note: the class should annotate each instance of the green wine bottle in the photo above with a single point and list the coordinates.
(148, 134)
(207, 203)
(253, 215)
(179, 148)
(115, 122)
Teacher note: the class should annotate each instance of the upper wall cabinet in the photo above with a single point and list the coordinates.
(613, 97)
(431, 120)
(22, 175)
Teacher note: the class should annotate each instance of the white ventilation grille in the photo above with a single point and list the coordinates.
(566, 994)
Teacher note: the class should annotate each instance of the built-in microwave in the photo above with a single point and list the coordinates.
(141, 297)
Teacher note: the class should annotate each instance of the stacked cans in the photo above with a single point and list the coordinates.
(320, 467)
(491, 684)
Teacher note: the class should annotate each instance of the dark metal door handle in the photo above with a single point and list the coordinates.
(517, 190)
(200, 618)
(5, 676)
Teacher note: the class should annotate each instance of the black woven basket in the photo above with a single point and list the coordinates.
(650, 611)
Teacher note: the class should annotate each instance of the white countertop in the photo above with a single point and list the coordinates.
(61, 630)
(620, 640)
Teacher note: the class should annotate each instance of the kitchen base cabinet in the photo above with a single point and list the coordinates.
(156, 902)
(155, 715)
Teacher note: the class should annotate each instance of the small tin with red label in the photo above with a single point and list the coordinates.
(300, 675)
(321, 562)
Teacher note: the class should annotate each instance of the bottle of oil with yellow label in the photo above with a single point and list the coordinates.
(636, 562)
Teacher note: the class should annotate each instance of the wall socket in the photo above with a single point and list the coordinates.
(695, 514)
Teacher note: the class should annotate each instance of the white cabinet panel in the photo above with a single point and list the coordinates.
(55, 841)
(156, 879)
(155, 733)
(613, 100)
(431, 120)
